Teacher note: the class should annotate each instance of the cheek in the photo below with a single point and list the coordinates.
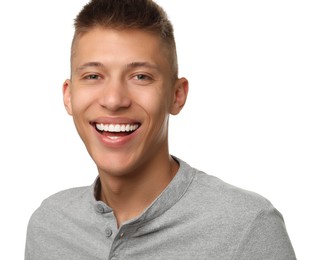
(154, 103)
(156, 108)
(80, 100)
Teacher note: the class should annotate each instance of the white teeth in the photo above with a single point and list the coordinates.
(117, 128)
(114, 137)
(100, 127)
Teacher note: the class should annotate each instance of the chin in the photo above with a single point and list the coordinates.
(115, 165)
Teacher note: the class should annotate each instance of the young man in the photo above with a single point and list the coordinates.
(145, 203)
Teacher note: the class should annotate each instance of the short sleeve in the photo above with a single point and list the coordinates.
(266, 239)
(30, 241)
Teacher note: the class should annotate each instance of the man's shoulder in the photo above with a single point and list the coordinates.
(60, 203)
(67, 197)
(219, 196)
(208, 190)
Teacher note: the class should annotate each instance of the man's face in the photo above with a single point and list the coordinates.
(120, 96)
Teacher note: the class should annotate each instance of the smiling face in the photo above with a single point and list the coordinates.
(120, 96)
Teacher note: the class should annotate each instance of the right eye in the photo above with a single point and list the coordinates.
(92, 77)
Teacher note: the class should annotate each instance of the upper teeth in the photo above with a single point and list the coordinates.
(117, 127)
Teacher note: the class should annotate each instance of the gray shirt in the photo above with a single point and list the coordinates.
(196, 217)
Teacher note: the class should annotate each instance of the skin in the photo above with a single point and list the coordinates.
(123, 76)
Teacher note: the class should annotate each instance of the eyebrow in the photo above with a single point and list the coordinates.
(138, 64)
(131, 65)
(90, 64)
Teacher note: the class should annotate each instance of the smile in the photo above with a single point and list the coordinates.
(115, 131)
(117, 128)
(115, 134)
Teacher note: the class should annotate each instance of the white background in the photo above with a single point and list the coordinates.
(252, 117)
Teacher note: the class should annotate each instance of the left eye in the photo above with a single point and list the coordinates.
(142, 77)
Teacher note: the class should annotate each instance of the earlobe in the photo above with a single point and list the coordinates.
(180, 95)
(66, 90)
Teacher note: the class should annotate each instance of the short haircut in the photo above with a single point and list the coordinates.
(144, 15)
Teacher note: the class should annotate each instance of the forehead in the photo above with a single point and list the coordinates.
(99, 41)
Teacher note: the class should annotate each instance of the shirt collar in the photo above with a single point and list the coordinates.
(170, 195)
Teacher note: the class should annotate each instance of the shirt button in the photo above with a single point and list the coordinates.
(121, 235)
(108, 232)
(114, 258)
(100, 208)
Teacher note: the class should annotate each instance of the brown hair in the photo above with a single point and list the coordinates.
(128, 14)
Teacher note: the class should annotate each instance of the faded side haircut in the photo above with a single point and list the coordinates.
(144, 15)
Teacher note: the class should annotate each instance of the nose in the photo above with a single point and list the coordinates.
(115, 96)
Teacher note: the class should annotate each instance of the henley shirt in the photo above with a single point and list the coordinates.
(197, 216)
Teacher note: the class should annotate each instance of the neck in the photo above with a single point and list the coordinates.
(131, 194)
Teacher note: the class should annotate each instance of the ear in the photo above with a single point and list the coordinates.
(180, 94)
(66, 89)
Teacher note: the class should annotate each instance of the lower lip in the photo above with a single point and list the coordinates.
(116, 141)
